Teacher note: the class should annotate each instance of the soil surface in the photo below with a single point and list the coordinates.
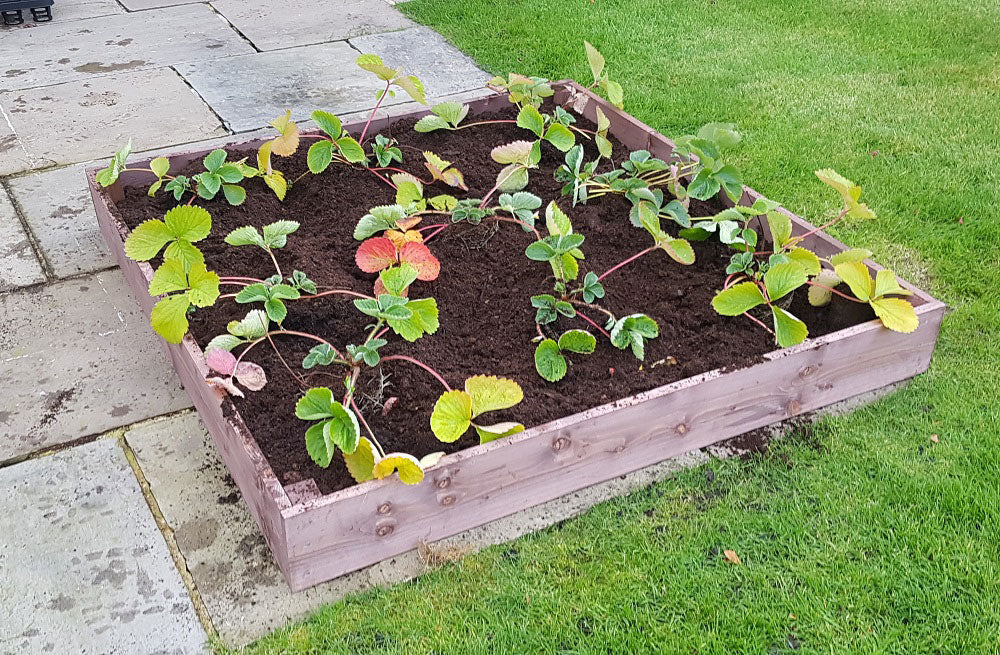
(483, 291)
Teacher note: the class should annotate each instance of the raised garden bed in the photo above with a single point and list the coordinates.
(704, 379)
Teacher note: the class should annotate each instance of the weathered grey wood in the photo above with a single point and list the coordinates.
(316, 538)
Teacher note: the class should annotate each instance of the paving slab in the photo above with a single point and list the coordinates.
(277, 24)
(18, 265)
(245, 94)
(231, 565)
(139, 5)
(78, 121)
(67, 10)
(13, 156)
(57, 207)
(77, 358)
(63, 52)
(83, 567)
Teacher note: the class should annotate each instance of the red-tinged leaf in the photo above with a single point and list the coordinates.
(251, 376)
(375, 254)
(380, 289)
(221, 361)
(226, 384)
(421, 258)
(399, 238)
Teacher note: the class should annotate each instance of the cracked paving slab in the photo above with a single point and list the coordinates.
(78, 358)
(83, 566)
(57, 207)
(325, 77)
(232, 567)
(18, 265)
(278, 24)
(91, 119)
(84, 49)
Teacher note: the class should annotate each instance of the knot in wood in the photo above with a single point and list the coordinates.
(443, 483)
(385, 528)
(384, 508)
(807, 371)
(448, 500)
(793, 407)
(560, 444)
(682, 429)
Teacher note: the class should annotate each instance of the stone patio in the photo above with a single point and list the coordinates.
(121, 531)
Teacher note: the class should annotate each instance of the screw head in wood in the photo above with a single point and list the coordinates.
(384, 528)
(561, 444)
(384, 508)
(443, 483)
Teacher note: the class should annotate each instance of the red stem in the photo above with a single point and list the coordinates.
(382, 177)
(277, 352)
(372, 115)
(435, 232)
(627, 261)
(586, 318)
(404, 358)
(431, 227)
(519, 222)
(758, 322)
(332, 292)
(842, 295)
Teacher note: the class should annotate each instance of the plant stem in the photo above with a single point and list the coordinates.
(404, 358)
(590, 306)
(518, 222)
(306, 335)
(496, 186)
(378, 104)
(275, 261)
(333, 292)
(798, 239)
(357, 410)
(382, 177)
(435, 232)
(302, 383)
(831, 290)
(627, 261)
(589, 320)
(431, 227)
(462, 127)
(758, 322)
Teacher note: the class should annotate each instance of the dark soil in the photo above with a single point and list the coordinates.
(487, 322)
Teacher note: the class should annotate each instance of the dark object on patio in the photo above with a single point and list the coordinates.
(10, 10)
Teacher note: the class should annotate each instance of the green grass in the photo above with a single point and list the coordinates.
(879, 541)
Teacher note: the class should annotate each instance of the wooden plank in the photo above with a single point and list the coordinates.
(342, 532)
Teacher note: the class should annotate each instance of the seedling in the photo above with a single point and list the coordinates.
(551, 361)
(612, 89)
(456, 411)
(522, 90)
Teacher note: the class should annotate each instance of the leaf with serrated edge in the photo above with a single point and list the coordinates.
(530, 119)
(856, 275)
(513, 177)
(146, 240)
(188, 222)
(275, 233)
(577, 341)
(169, 318)
(850, 255)
(780, 227)
(420, 258)
(204, 286)
(431, 123)
(806, 259)
(221, 361)
(361, 462)
(327, 122)
(287, 141)
(788, 330)
(560, 136)
(782, 279)
(319, 156)
(168, 278)
(490, 393)
(223, 342)
(887, 284)
(896, 314)
(488, 433)
(680, 250)
(318, 445)
(315, 404)
(595, 59)
(404, 464)
(245, 236)
(375, 254)
(452, 415)
(549, 361)
(737, 299)
(515, 152)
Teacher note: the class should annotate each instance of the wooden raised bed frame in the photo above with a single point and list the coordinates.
(316, 538)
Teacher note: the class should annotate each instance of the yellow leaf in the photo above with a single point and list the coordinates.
(288, 140)
(399, 238)
(896, 314)
(361, 463)
(856, 275)
(732, 556)
(490, 393)
(406, 465)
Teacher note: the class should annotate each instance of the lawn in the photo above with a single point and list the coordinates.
(865, 535)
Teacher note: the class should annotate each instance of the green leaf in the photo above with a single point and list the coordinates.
(515, 152)
(319, 156)
(160, 166)
(488, 433)
(169, 317)
(184, 252)
(788, 330)
(896, 314)
(361, 462)
(549, 361)
(319, 355)
(849, 192)
(556, 220)
(343, 429)
(731, 180)
(424, 320)
(208, 184)
(512, 177)
(252, 326)
(223, 342)
(188, 222)
(596, 61)
(379, 219)
(780, 227)
(887, 284)
(168, 278)
(431, 123)
(530, 119)
(577, 341)
(806, 259)
(214, 160)
(253, 293)
(203, 286)
(276, 310)
(782, 279)
(632, 331)
(704, 185)
(490, 393)
(147, 239)
(374, 64)
(318, 445)
(235, 194)
(245, 236)
(452, 416)
(393, 308)
(679, 250)
(397, 278)
(275, 234)
(351, 150)
(856, 275)
(453, 112)
(276, 182)
(316, 404)
(592, 287)
(850, 255)
(738, 298)
(327, 122)
(560, 136)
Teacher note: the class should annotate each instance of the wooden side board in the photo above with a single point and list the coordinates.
(318, 538)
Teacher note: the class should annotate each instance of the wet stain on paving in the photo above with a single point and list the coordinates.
(98, 67)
